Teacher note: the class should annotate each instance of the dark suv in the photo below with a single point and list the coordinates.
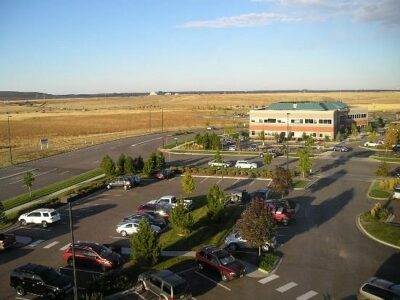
(42, 281)
(165, 284)
(93, 254)
(221, 261)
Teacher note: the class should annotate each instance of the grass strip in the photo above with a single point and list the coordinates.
(268, 261)
(380, 230)
(301, 183)
(376, 192)
(55, 187)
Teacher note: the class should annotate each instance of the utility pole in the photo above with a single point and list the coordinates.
(73, 249)
(287, 141)
(162, 126)
(9, 139)
(150, 120)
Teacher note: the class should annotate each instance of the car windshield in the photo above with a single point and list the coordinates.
(49, 275)
(226, 259)
(102, 251)
(181, 288)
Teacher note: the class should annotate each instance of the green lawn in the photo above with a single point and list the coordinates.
(300, 183)
(376, 192)
(382, 231)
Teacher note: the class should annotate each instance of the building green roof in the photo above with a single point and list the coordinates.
(308, 105)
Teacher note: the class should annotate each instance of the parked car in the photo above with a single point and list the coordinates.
(396, 148)
(126, 182)
(232, 148)
(40, 280)
(223, 163)
(165, 284)
(172, 200)
(263, 153)
(131, 227)
(282, 214)
(244, 164)
(7, 241)
(373, 144)
(93, 254)
(377, 288)
(161, 210)
(153, 220)
(165, 174)
(340, 148)
(396, 192)
(219, 260)
(43, 216)
(234, 242)
(396, 172)
(239, 197)
(262, 194)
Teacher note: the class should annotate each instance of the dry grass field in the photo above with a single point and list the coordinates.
(75, 123)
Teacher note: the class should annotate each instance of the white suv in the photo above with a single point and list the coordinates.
(244, 164)
(43, 216)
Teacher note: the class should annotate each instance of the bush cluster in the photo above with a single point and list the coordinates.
(267, 261)
(261, 173)
(388, 184)
(379, 213)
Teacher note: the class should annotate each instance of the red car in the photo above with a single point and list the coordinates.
(282, 214)
(221, 261)
(93, 254)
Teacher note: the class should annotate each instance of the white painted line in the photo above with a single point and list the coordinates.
(219, 181)
(65, 247)
(188, 270)
(20, 298)
(237, 180)
(286, 287)
(35, 243)
(144, 142)
(65, 172)
(268, 279)
(203, 180)
(212, 280)
(172, 179)
(140, 296)
(51, 245)
(16, 174)
(251, 183)
(34, 175)
(307, 295)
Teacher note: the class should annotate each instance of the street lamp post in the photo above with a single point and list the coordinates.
(287, 141)
(9, 139)
(73, 249)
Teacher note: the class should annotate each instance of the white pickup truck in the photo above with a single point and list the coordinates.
(172, 200)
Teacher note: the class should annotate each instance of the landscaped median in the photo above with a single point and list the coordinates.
(389, 159)
(381, 189)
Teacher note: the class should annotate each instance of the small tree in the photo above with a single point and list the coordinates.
(267, 159)
(339, 136)
(372, 136)
(121, 164)
(354, 130)
(380, 123)
(28, 181)
(261, 136)
(181, 219)
(392, 136)
(107, 166)
(215, 202)
(257, 225)
(145, 245)
(281, 181)
(310, 142)
(128, 165)
(383, 170)
(368, 128)
(3, 217)
(160, 161)
(304, 162)
(138, 164)
(188, 184)
(148, 168)
(217, 156)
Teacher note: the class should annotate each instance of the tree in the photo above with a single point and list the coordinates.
(392, 136)
(128, 165)
(372, 137)
(304, 162)
(215, 202)
(380, 123)
(281, 181)
(257, 225)
(121, 164)
(181, 219)
(354, 130)
(267, 159)
(339, 136)
(368, 128)
(188, 184)
(160, 161)
(261, 136)
(217, 156)
(107, 166)
(28, 181)
(3, 217)
(327, 139)
(149, 168)
(138, 164)
(309, 142)
(383, 170)
(145, 245)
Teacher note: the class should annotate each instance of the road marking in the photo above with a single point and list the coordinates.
(268, 279)
(307, 295)
(251, 183)
(172, 179)
(286, 287)
(51, 245)
(188, 270)
(16, 174)
(212, 280)
(140, 296)
(237, 180)
(35, 175)
(35, 243)
(219, 181)
(65, 172)
(119, 237)
(204, 180)
(65, 247)
(144, 142)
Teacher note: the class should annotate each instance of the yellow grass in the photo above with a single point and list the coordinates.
(75, 123)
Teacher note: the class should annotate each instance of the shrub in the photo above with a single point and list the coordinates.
(379, 213)
(267, 261)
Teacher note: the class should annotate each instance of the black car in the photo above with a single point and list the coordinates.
(396, 172)
(165, 174)
(42, 281)
(340, 148)
(153, 220)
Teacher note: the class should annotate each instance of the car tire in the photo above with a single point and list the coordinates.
(123, 233)
(20, 290)
(201, 266)
(108, 187)
(285, 222)
(23, 222)
(232, 247)
(224, 278)
(44, 224)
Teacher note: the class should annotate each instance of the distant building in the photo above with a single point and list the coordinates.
(153, 94)
(316, 119)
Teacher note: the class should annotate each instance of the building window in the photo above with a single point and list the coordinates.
(321, 135)
(253, 120)
(310, 121)
(296, 121)
(253, 132)
(260, 120)
(325, 121)
(313, 134)
(269, 120)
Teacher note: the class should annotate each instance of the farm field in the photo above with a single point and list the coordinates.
(71, 124)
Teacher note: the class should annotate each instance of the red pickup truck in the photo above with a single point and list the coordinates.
(7, 240)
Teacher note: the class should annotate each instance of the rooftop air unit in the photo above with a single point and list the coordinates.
(294, 105)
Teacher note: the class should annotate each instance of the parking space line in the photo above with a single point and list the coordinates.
(268, 279)
(212, 280)
(236, 181)
(286, 287)
(172, 179)
(204, 180)
(35, 243)
(51, 244)
(219, 181)
(307, 295)
(251, 183)
(20, 298)
(65, 247)
(185, 271)
(140, 296)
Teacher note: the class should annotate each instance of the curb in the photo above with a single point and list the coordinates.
(274, 269)
(361, 228)
(375, 198)
(228, 177)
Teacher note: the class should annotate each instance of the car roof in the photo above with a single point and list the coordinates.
(169, 276)
(384, 284)
(94, 246)
(32, 268)
(44, 210)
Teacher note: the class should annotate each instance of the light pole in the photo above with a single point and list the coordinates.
(73, 249)
(9, 139)
(287, 141)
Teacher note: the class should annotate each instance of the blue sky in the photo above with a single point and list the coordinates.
(176, 45)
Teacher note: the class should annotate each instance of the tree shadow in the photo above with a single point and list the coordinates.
(326, 181)
(389, 269)
(239, 184)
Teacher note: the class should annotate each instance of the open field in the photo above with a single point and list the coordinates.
(75, 123)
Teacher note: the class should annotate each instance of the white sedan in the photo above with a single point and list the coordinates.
(129, 228)
(373, 144)
(222, 163)
(244, 164)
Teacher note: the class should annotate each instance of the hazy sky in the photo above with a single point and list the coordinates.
(91, 46)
